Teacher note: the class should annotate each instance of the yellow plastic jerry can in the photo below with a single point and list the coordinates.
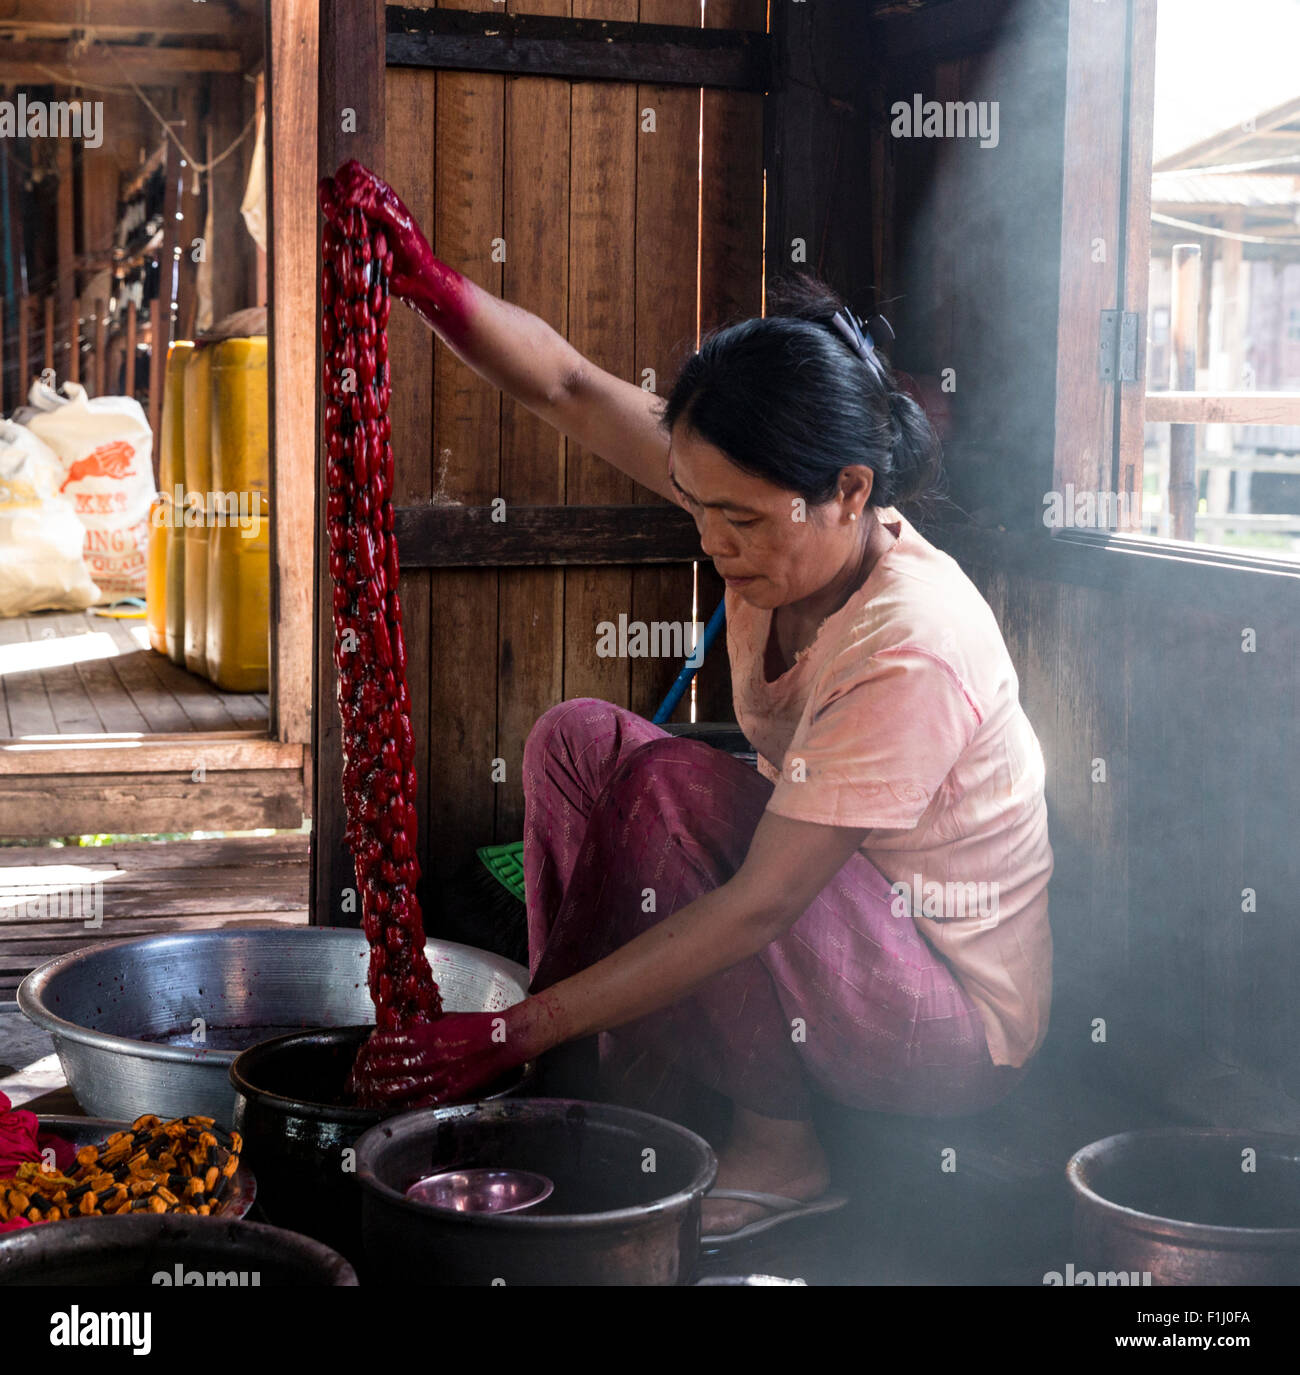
(199, 489)
(165, 564)
(239, 558)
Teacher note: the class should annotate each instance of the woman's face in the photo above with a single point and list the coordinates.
(768, 547)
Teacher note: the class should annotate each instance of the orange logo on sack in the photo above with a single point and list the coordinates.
(109, 460)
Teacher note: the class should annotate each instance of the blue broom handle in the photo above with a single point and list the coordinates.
(689, 668)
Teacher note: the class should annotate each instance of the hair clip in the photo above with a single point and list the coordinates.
(861, 337)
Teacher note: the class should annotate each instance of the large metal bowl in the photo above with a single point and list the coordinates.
(123, 1013)
(166, 1250)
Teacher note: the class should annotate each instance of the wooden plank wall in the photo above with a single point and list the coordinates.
(1199, 803)
(604, 239)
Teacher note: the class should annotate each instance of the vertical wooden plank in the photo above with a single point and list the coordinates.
(461, 728)
(409, 151)
(1137, 258)
(1092, 241)
(602, 302)
(1225, 768)
(351, 78)
(666, 317)
(731, 274)
(292, 46)
(530, 636)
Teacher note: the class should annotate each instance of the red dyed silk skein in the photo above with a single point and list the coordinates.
(369, 647)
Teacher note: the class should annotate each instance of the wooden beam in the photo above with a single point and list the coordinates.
(351, 67)
(578, 49)
(292, 48)
(1223, 408)
(215, 751)
(53, 17)
(32, 61)
(544, 536)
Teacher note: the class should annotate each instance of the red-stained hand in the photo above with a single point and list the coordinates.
(436, 1062)
(432, 289)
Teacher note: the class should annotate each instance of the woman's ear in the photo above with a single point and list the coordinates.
(856, 483)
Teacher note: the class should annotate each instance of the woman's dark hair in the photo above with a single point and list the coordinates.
(786, 398)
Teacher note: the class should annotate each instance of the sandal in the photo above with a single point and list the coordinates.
(783, 1210)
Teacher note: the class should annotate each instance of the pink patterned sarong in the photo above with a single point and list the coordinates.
(851, 1001)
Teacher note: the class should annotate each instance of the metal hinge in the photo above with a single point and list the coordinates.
(1119, 341)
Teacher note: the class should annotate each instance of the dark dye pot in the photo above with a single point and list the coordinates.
(165, 1251)
(625, 1209)
(299, 1130)
(1189, 1205)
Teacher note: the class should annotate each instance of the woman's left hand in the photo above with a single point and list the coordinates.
(442, 1061)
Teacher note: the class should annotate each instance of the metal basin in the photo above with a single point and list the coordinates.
(123, 1013)
(167, 1250)
(625, 1208)
(1176, 1202)
(291, 1109)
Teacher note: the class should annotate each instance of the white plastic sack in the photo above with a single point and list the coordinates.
(106, 449)
(41, 566)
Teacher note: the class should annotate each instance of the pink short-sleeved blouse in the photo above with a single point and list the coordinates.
(903, 716)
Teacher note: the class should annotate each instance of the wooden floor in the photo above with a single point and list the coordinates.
(150, 888)
(76, 673)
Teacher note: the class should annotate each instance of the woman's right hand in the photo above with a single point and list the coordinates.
(431, 288)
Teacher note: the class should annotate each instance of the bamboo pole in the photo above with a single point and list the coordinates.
(74, 341)
(1184, 330)
(49, 334)
(101, 362)
(24, 377)
(157, 363)
(132, 329)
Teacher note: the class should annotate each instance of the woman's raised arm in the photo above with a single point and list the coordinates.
(515, 350)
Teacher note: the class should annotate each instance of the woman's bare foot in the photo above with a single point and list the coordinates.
(769, 1155)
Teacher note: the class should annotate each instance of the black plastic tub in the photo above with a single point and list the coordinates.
(625, 1210)
(165, 1251)
(299, 1130)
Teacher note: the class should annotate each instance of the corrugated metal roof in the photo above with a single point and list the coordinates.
(1191, 188)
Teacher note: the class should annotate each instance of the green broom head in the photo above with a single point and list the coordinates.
(506, 864)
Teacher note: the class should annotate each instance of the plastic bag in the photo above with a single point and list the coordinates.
(41, 539)
(106, 449)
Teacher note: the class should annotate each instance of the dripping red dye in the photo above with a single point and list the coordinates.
(369, 647)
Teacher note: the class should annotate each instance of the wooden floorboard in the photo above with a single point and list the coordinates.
(146, 889)
(115, 684)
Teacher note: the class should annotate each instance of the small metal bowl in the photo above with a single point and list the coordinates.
(482, 1191)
